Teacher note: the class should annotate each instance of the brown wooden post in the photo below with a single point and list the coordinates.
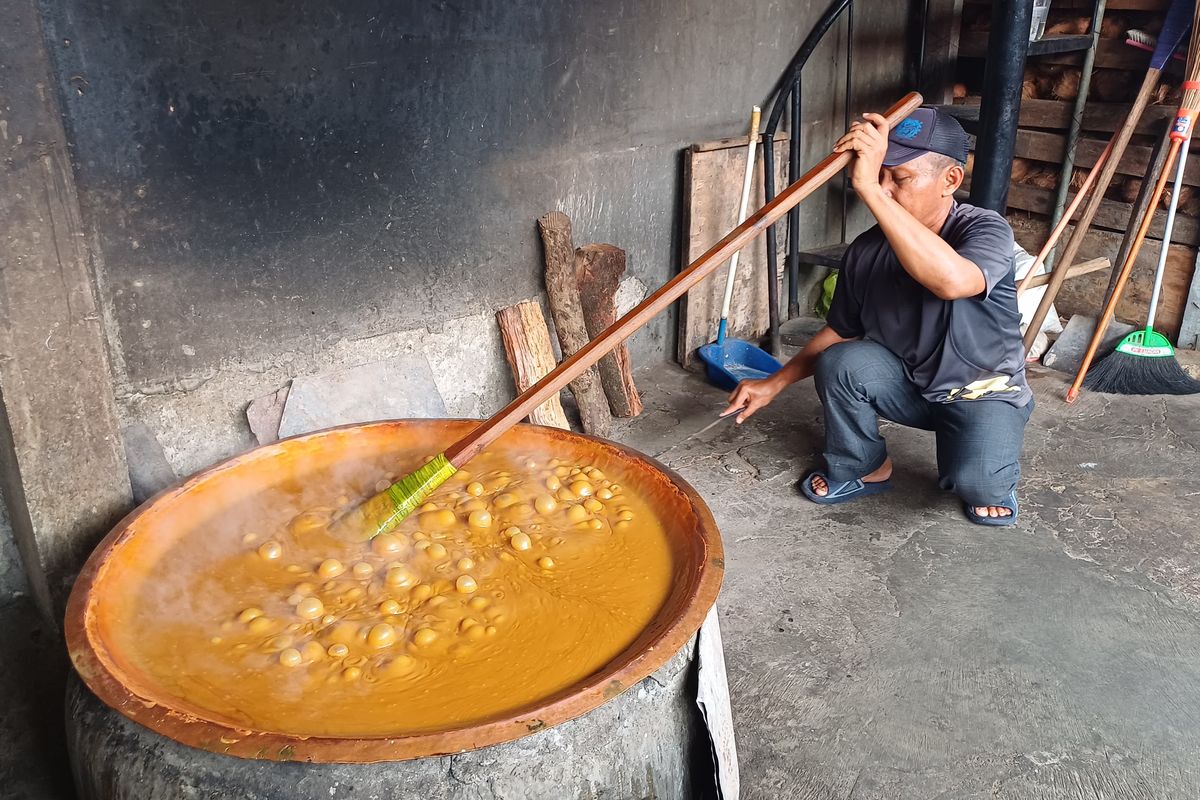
(531, 356)
(598, 271)
(567, 311)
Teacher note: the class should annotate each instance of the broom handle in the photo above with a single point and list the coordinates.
(1110, 307)
(743, 207)
(1119, 142)
(1166, 240)
(1065, 219)
(490, 429)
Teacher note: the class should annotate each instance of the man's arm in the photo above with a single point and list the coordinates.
(750, 396)
(923, 253)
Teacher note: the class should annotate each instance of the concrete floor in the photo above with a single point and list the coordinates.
(887, 648)
(890, 649)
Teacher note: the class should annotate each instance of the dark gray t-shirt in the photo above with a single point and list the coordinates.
(953, 350)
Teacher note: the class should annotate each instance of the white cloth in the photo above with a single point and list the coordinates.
(1028, 302)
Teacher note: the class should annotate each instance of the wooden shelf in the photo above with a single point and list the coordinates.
(1110, 53)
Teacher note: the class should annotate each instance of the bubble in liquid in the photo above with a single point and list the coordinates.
(385, 544)
(330, 568)
(270, 550)
(400, 575)
(249, 615)
(389, 607)
(381, 635)
(310, 608)
(312, 651)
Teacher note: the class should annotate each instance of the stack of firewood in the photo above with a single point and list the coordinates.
(1054, 80)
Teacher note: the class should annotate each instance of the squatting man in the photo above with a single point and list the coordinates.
(923, 329)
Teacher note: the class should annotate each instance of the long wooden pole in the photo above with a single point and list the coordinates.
(489, 430)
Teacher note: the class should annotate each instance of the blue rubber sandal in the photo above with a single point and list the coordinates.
(995, 522)
(841, 493)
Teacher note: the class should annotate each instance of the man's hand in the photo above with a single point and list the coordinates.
(750, 396)
(868, 141)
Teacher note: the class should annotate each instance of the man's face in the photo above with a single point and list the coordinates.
(922, 186)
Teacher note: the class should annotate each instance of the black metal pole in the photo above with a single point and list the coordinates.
(1000, 110)
(774, 344)
(783, 89)
(917, 22)
(792, 262)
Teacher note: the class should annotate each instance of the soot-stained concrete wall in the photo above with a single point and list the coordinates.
(275, 188)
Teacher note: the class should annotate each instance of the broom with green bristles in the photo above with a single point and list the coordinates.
(1144, 361)
(384, 511)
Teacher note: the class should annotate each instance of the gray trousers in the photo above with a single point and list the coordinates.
(978, 441)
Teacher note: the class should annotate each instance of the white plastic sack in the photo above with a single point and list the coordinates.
(1028, 302)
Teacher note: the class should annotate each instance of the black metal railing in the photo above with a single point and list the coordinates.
(788, 95)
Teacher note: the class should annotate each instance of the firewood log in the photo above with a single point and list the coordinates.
(1067, 26)
(1021, 167)
(1066, 87)
(1114, 27)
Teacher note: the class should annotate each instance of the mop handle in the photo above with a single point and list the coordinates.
(1170, 224)
(747, 180)
(1181, 133)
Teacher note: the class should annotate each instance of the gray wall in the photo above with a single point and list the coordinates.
(277, 188)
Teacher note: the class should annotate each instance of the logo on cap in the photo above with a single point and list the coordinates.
(908, 129)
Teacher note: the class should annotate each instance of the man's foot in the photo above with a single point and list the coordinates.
(993, 511)
(993, 515)
(820, 486)
(832, 494)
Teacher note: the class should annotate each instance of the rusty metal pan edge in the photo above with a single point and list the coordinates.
(229, 740)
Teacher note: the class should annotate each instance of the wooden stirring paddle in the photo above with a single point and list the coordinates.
(384, 511)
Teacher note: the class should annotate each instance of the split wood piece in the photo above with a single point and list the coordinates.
(1120, 140)
(567, 311)
(1082, 268)
(598, 271)
(531, 356)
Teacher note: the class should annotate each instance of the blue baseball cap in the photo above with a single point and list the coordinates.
(926, 130)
